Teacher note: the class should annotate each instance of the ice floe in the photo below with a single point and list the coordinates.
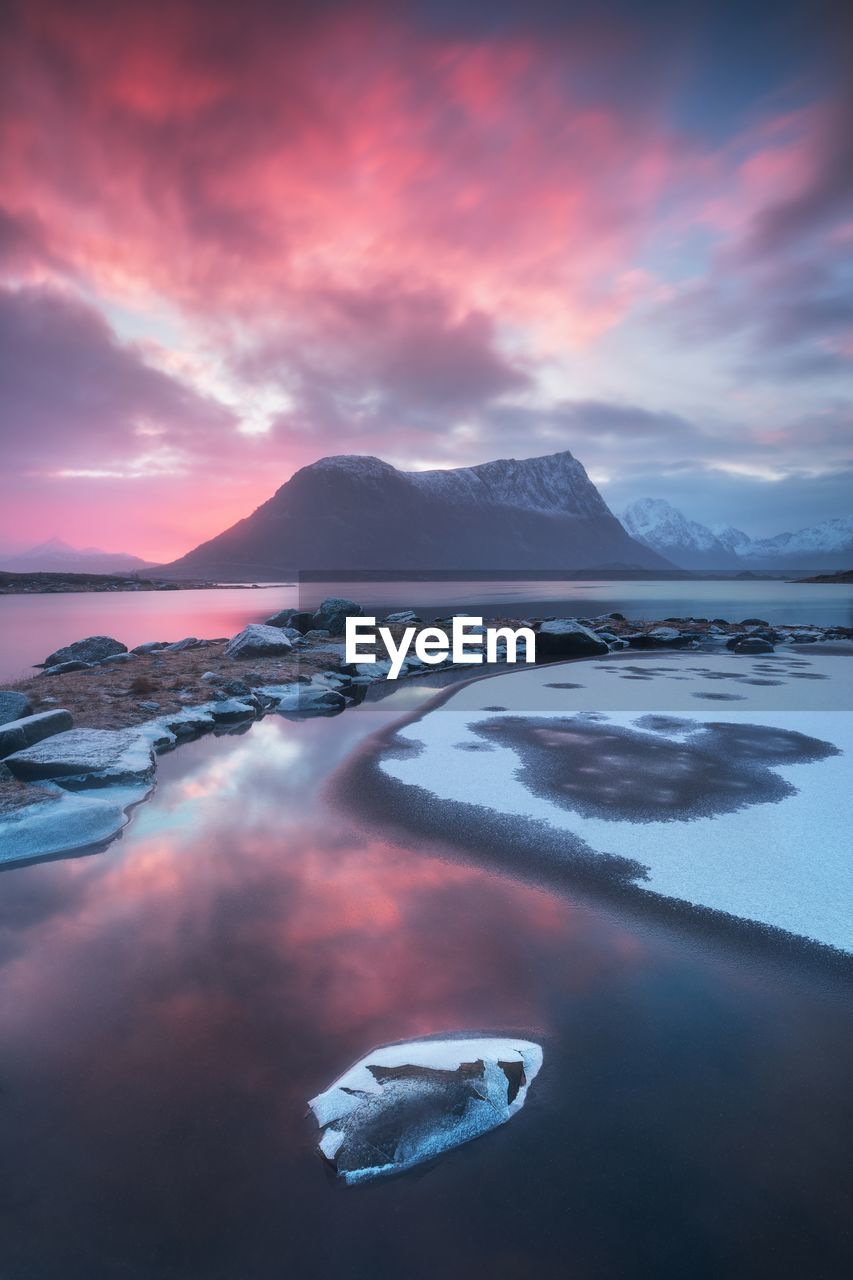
(407, 1103)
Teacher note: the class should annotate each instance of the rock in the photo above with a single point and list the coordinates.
(258, 641)
(659, 638)
(116, 658)
(150, 646)
(304, 699)
(62, 668)
(190, 722)
(736, 639)
(295, 619)
(566, 638)
(408, 1103)
(13, 705)
(87, 757)
(148, 706)
(753, 644)
(188, 642)
(405, 617)
(231, 710)
(333, 613)
(16, 735)
(321, 634)
(92, 649)
(754, 622)
(61, 822)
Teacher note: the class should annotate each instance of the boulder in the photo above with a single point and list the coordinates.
(304, 699)
(188, 642)
(405, 617)
(87, 757)
(754, 644)
(407, 1103)
(150, 646)
(333, 613)
(258, 641)
(62, 668)
(13, 705)
(231, 710)
(16, 735)
(566, 638)
(92, 649)
(298, 619)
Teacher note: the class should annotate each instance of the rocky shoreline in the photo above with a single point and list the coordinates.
(79, 741)
(17, 584)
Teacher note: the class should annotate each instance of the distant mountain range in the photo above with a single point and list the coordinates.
(690, 545)
(56, 556)
(354, 513)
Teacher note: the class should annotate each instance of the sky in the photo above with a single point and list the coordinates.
(235, 238)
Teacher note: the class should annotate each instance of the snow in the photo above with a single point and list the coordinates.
(665, 529)
(556, 484)
(421, 1116)
(783, 862)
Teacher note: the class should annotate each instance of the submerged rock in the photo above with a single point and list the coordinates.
(566, 638)
(407, 1103)
(258, 641)
(92, 649)
(16, 735)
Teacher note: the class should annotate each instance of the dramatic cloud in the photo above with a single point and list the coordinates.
(236, 238)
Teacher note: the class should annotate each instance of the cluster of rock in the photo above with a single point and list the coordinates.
(43, 746)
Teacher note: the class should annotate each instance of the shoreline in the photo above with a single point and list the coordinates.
(135, 706)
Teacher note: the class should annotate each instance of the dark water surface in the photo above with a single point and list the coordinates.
(31, 626)
(168, 1006)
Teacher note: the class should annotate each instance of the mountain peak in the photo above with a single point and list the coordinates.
(355, 512)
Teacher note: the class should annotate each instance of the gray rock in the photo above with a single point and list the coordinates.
(258, 641)
(13, 705)
(87, 757)
(92, 649)
(16, 735)
(566, 638)
(295, 619)
(405, 617)
(150, 646)
(116, 658)
(62, 668)
(148, 706)
(333, 613)
(231, 710)
(189, 723)
(304, 699)
(188, 642)
(317, 634)
(753, 644)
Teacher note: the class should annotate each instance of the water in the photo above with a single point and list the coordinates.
(32, 626)
(168, 1006)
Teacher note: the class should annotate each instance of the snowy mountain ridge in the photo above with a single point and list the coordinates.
(665, 529)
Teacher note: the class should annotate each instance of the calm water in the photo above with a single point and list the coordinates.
(33, 626)
(168, 1006)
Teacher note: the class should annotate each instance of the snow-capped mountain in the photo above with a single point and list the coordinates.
(685, 542)
(360, 513)
(691, 545)
(56, 556)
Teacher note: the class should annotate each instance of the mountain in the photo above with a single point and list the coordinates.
(685, 542)
(828, 545)
(690, 545)
(358, 513)
(56, 556)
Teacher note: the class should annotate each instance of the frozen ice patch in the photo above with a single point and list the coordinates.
(407, 1103)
